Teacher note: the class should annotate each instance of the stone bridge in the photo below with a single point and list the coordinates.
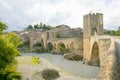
(104, 51)
(74, 45)
(95, 48)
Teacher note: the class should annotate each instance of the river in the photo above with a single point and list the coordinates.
(74, 67)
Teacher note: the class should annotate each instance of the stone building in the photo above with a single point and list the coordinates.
(64, 31)
(76, 32)
(24, 35)
(61, 31)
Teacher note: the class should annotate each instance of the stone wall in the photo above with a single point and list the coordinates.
(118, 48)
(37, 36)
(62, 31)
(110, 69)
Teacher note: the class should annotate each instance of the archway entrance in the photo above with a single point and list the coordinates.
(95, 55)
(39, 44)
(61, 48)
(94, 31)
(50, 47)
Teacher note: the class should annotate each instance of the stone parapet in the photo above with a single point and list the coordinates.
(110, 68)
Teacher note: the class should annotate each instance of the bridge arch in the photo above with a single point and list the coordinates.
(39, 43)
(42, 42)
(50, 46)
(93, 31)
(95, 60)
(61, 47)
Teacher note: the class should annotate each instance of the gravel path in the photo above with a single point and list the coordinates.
(30, 71)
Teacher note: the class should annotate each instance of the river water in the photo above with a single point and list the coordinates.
(74, 67)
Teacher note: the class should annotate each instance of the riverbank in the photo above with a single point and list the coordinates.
(31, 71)
(75, 67)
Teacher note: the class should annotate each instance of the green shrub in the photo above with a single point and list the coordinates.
(42, 50)
(50, 74)
(10, 76)
(54, 52)
(35, 60)
(74, 57)
(89, 63)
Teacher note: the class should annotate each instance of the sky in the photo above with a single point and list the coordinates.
(18, 14)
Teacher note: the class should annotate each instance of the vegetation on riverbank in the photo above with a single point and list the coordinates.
(8, 51)
(35, 60)
(113, 32)
(73, 57)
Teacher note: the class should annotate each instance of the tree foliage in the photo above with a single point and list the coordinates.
(36, 26)
(29, 27)
(2, 27)
(58, 26)
(113, 32)
(50, 47)
(62, 47)
(8, 51)
(42, 26)
(25, 44)
(118, 32)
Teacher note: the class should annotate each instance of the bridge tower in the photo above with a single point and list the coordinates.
(93, 25)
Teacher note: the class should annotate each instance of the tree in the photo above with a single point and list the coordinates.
(29, 27)
(110, 32)
(36, 26)
(118, 32)
(2, 27)
(113, 32)
(8, 51)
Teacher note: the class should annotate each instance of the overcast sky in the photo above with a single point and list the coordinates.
(18, 14)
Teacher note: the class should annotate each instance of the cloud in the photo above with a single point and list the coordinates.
(20, 13)
(4, 4)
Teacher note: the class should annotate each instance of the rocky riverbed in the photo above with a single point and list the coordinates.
(30, 71)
